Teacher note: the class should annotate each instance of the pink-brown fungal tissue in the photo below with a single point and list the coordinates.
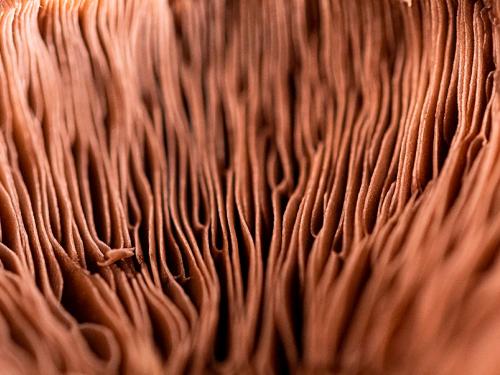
(250, 187)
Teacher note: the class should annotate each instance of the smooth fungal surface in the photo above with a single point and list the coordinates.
(249, 186)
